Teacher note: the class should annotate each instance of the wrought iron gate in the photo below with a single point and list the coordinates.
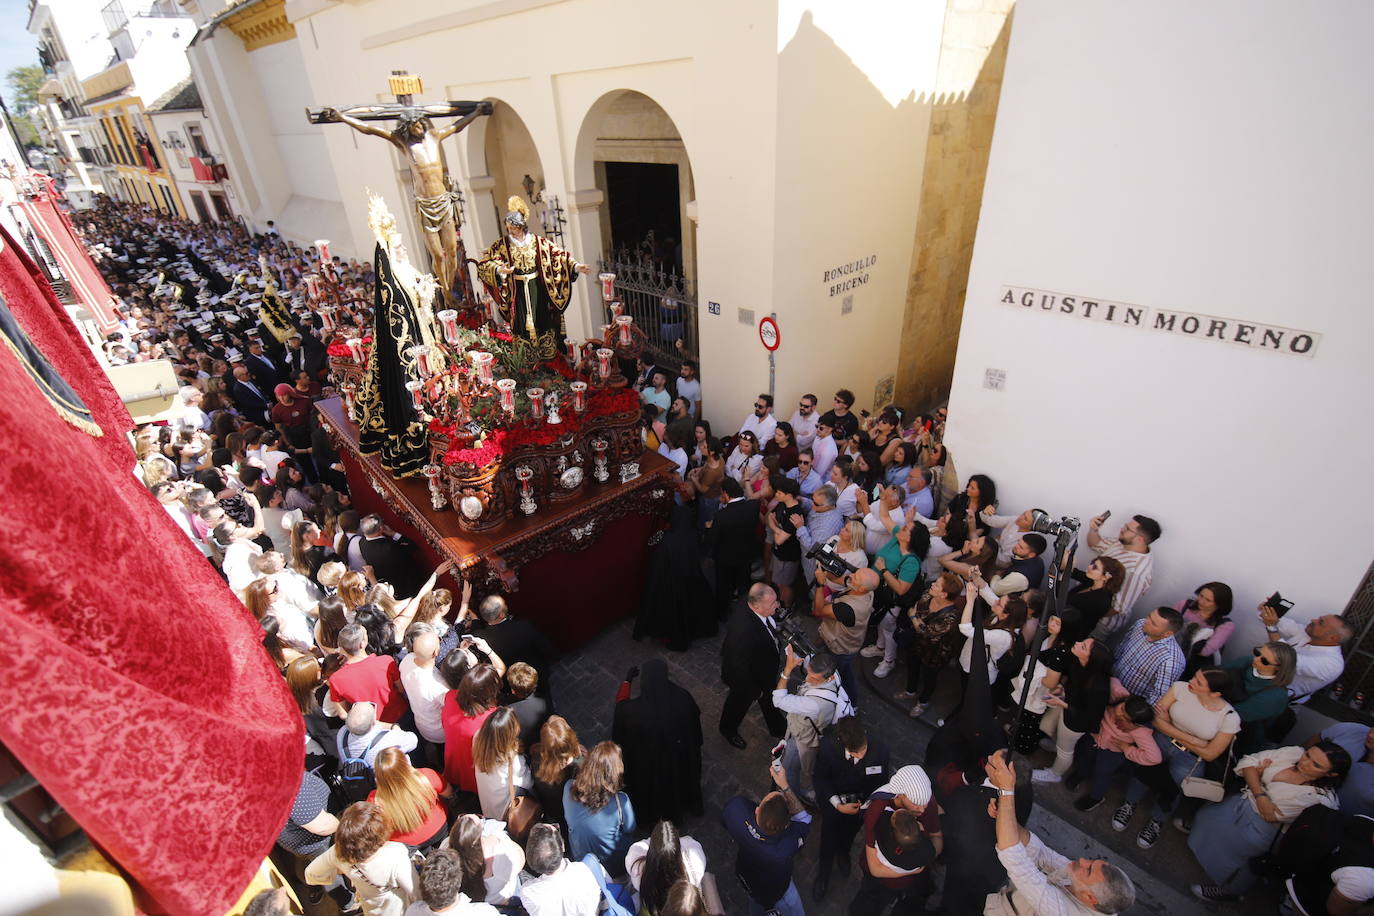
(662, 303)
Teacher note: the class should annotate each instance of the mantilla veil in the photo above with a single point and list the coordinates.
(390, 424)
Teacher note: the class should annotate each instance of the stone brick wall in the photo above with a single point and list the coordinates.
(972, 57)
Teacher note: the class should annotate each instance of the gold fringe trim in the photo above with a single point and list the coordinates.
(59, 403)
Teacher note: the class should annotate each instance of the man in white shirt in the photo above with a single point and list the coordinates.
(820, 700)
(1041, 881)
(804, 421)
(761, 422)
(562, 888)
(689, 387)
(919, 495)
(192, 417)
(1320, 660)
(424, 689)
(825, 449)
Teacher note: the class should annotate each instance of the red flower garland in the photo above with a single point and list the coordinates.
(502, 442)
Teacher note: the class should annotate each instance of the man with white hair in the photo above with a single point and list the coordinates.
(363, 736)
(1044, 883)
(192, 417)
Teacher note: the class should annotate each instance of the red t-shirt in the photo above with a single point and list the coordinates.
(376, 680)
(293, 414)
(459, 730)
(433, 822)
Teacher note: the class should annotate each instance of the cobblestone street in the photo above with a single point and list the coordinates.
(584, 686)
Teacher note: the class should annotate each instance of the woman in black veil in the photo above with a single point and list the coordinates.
(678, 604)
(659, 733)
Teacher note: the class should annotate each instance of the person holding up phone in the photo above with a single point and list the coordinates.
(1319, 648)
(1131, 548)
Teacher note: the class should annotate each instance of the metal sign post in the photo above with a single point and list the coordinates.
(768, 334)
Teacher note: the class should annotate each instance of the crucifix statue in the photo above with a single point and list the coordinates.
(436, 201)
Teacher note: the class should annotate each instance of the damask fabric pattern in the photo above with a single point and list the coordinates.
(137, 691)
(390, 424)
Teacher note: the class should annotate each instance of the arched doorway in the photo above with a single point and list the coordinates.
(631, 151)
(502, 161)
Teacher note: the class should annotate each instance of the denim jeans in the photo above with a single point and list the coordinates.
(789, 904)
(1164, 777)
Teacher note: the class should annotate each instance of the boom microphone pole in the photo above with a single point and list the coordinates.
(1065, 533)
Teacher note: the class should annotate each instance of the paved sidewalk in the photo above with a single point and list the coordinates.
(584, 686)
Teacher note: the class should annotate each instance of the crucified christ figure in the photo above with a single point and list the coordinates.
(436, 203)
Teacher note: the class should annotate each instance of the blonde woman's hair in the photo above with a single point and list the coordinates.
(353, 590)
(558, 747)
(330, 573)
(858, 534)
(405, 795)
(497, 741)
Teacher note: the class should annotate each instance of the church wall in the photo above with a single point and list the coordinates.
(1158, 155)
(710, 66)
(853, 115)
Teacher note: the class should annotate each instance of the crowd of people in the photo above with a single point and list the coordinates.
(438, 776)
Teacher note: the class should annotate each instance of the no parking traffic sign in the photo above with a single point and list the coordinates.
(768, 333)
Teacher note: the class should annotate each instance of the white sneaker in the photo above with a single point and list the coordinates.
(1045, 775)
(883, 669)
(873, 651)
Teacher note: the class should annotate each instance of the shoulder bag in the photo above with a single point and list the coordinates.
(1212, 790)
(522, 811)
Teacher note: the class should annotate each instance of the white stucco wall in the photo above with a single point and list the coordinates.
(804, 126)
(1156, 153)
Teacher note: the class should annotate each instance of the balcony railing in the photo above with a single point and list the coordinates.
(117, 13)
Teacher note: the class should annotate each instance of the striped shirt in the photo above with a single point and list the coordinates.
(1148, 667)
(1140, 571)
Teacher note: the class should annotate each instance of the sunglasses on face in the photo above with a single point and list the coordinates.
(1259, 654)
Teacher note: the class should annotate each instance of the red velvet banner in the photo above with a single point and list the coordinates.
(136, 687)
(88, 286)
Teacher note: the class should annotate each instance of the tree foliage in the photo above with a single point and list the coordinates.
(23, 83)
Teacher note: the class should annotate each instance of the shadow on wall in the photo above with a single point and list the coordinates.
(849, 162)
(956, 166)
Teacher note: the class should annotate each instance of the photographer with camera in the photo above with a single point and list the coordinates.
(844, 621)
(850, 766)
(820, 699)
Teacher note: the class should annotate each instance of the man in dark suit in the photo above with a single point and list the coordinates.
(267, 372)
(733, 542)
(251, 399)
(390, 557)
(749, 664)
(515, 640)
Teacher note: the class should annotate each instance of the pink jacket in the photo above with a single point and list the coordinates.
(1138, 743)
